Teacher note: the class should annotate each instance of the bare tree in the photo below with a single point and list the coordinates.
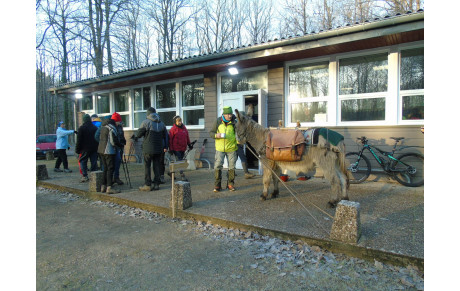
(259, 20)
(298, 17)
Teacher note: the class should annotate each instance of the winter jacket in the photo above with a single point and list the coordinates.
(85, 138)
(178, 138)
(62, 141)
(155, 135)
(121, 134)
(227, 144)
(108, 140)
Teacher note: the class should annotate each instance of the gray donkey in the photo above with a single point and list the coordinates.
(330, 158)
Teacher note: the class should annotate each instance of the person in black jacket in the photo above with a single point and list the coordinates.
(86, 147)
(108, 143)
(154, 145)
(119, 155)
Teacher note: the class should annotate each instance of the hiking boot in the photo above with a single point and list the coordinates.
(156, 187)
(145, 188)
(217, 189)
(110, 190)
(67, 171)
(248, 175)
(84, 179)
(118, 181)
(162, 179)
(103, 188)
(57, 170)
(231, 188)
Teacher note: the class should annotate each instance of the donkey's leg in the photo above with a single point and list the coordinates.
(343, 182)
(327, 160)
(266, 181)
(275, 176)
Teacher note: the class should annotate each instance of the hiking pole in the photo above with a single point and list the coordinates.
(125, 168)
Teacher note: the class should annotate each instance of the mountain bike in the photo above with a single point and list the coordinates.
(407, 168)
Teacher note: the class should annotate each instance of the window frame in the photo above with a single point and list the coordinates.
(130, 117)
(133, 104)
(361, 96)
(96, 107)
(297, 100)
(412, 92)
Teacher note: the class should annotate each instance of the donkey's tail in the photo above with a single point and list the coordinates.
(343, 162)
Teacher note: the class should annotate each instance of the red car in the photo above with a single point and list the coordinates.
(46, 143)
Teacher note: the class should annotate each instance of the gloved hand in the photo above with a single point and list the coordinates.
(190, 147)
(75, 131)
(134, 137)
(68, 148)
(171, 152)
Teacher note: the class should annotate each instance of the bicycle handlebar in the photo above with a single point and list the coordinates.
(362, 139)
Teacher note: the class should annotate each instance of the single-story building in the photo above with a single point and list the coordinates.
(359, 79)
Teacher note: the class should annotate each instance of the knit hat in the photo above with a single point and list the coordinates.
(86, 118)
(60, 122)
(116, 117)
(176, 117)
(227, 110)
(151, 110)
(94, 116)
(97, 119)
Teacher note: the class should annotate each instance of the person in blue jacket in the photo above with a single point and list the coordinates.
(62, 144)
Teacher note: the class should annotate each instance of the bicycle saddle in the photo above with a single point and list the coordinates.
(397, 138)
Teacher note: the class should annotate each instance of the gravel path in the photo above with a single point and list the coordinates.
(94, 245)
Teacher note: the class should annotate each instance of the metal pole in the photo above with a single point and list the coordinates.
(173, 201)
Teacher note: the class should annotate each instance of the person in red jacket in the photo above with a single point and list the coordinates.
(178, 138)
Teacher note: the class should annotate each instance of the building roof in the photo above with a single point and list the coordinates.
(378, 32)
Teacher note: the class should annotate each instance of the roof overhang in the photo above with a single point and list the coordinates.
(382, 33)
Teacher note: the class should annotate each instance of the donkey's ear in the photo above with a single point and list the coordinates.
(237, 114)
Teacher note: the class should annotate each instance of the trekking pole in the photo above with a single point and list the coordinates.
(126, 169)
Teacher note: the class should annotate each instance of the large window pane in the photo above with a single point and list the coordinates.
(412, 69)
(309, 112)
(413, 107)
(363, 109)
(309, 80)
(87, 103)
(167, 117)
(138, 118)
(364, 74)
(193, 93)
(166, 96)
(121, 101)
(125, 119)
(244, 82)
(193, 117)
(141, 98)
(103, 104)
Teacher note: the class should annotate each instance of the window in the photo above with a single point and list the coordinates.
(193, 102)
(166, 102)
(86, 103)
(244, 82)
(363, 86)
(412, 84)
(121, 101)
(308, 92)
(141, 104)
(103, 104)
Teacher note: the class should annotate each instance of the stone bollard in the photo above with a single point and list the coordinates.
(42, 173)
(182, 195)
(95, 181)
(49, 156)
(347, 224)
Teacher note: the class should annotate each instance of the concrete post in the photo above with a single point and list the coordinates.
(95, 181)
(182, 196)
(347, 224)
(42, 173)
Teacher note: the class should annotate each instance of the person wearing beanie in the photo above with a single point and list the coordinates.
(96, 120)
(62, 144)
(119, 151)
(223, 131)
(151, 110)
(179, 140)
(107, 149)
(86, 147)
(154, 145)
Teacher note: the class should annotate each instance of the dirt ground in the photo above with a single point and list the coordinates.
(93, 245)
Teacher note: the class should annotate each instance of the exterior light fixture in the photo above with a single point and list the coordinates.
(232, 63)
(78, 95)
(233, 71)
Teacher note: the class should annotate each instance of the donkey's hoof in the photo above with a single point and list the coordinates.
(274, 195)
(331, 204)
(263, 198)
(346, 198)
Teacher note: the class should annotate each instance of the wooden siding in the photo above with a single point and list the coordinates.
(275, 102)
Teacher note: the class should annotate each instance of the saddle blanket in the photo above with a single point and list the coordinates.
(311, 136)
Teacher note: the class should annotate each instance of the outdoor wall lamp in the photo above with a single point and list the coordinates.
(233, 71)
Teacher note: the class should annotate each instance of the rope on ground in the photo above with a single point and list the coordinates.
(291, 191)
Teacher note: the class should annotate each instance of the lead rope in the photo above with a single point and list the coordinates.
(291, 191)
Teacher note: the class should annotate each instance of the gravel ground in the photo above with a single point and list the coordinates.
(94, 245)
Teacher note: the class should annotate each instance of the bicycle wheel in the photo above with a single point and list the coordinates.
(409, 171)
(359, 168)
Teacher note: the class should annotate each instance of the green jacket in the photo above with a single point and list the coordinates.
(227, 144)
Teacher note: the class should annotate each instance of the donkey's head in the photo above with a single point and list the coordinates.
(241, 126)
